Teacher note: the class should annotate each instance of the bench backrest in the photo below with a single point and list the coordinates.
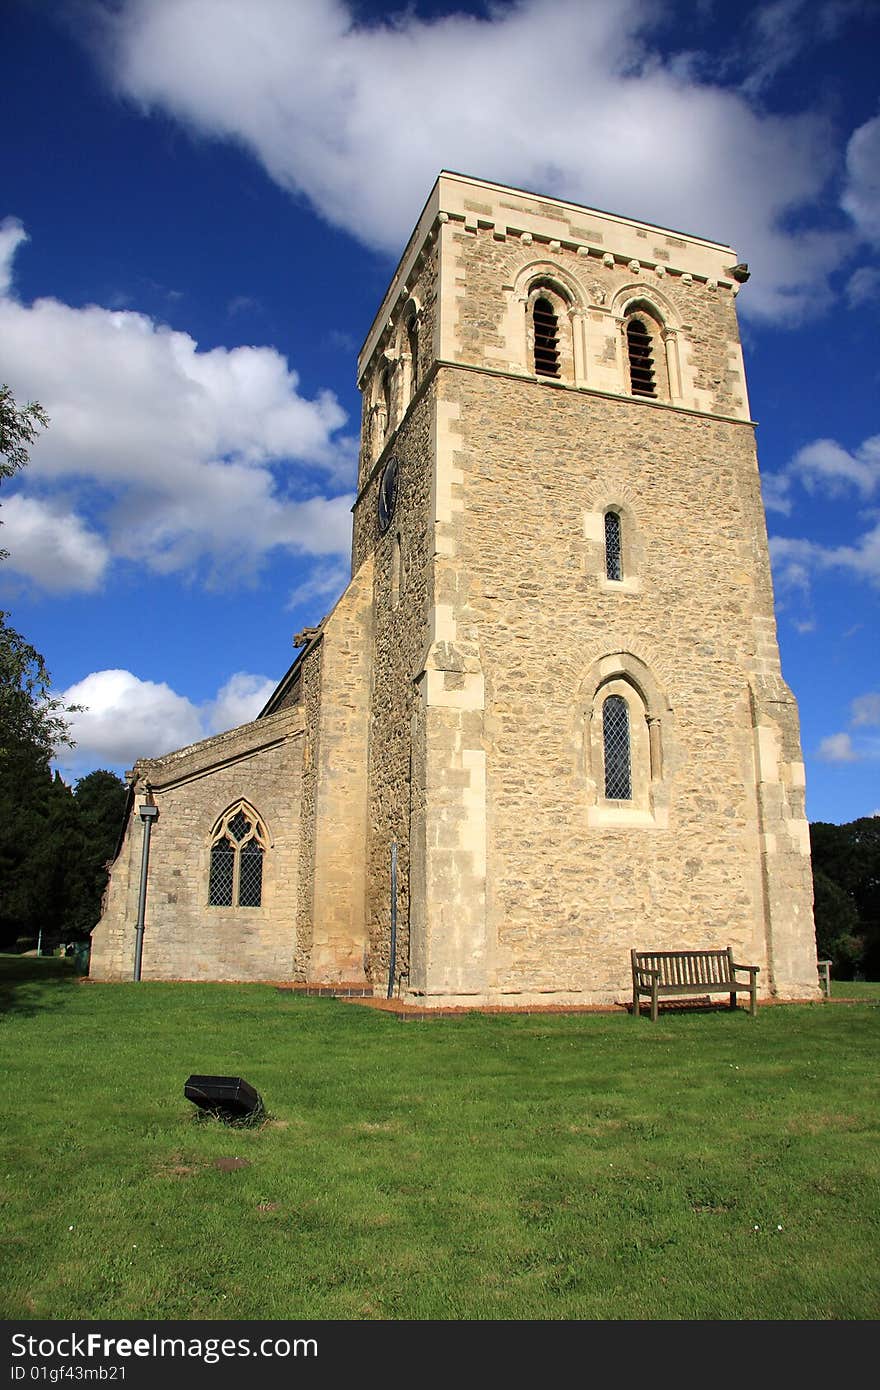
(687, 967)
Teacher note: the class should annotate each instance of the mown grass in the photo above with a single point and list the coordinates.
(543, 1166)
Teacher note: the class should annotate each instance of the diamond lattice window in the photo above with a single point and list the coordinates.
(222, 873)
(613, 550)
(616, 742)
(237, 851)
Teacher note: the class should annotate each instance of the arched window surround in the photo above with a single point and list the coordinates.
(547, 280)
(237, 849)
(660, 320)
(624, 675)
(611, 495)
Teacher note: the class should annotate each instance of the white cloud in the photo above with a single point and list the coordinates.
(863, 286)
(359, 117)
(861, 197)
(169, 456)
(326, 582)
(826, 464)
(125, 718)
(776, 492)
(12, 235)
(52, 546)
(866, 709)
(795, 560)
(837, 748)
(238, 701)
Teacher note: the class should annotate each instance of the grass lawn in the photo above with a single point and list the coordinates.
(520, 1166)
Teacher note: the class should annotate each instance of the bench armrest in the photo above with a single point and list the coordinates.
(648, 973)
(752, 969)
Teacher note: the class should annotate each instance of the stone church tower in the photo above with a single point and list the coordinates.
(552, 686)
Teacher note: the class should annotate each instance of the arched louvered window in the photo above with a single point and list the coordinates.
(616, 743)
(546, 328)
(613, 547)
(640, 348)
(386, 398)
(412, 342)
(238, 846)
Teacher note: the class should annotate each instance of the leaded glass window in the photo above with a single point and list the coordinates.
(250, 875)
(237, 849)
(616, 742)
(222, 873)
(613, 551)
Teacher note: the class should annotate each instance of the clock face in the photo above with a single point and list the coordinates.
(387, 495)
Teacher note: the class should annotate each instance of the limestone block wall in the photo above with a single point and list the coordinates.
(310, 688)
(339, 936)
(572, 885)
(184, 938)
(402, 578)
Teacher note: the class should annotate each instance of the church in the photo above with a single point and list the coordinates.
(546, 721)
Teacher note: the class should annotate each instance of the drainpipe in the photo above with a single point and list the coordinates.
(148, 812)
(392, 964)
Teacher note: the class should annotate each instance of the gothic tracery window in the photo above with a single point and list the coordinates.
(238, 846)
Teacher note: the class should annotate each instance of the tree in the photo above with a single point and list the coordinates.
(18, 431)
(848, 856)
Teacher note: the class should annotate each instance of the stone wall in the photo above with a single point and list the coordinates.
(184, 938)
(527, 882)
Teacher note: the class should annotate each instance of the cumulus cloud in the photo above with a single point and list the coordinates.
(12, 235)
(824, 464)
(863, 286)
(316, 95)
(861, 196)
(238, 701)
(796, 560)
(841, 747)
(125, 718)
(53, 547)
(866, 709)
(326, 582)
(837, 748)
(776, 492)
(168, 456)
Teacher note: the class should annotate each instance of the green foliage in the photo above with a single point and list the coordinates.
(846, 880)
(54, 847)
(53, 842)
(18, 431)
(587, 1166)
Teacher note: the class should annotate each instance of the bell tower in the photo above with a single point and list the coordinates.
(580, 740)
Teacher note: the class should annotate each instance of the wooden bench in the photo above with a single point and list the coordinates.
(672, 974)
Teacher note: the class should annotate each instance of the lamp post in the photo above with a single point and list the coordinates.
(148, 812)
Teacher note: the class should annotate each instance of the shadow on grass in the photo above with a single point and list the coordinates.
(32, 984)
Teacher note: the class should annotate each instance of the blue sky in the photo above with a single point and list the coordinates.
(202, 203)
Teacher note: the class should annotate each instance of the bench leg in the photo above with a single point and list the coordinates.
(654, 1004)
(753, 998)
